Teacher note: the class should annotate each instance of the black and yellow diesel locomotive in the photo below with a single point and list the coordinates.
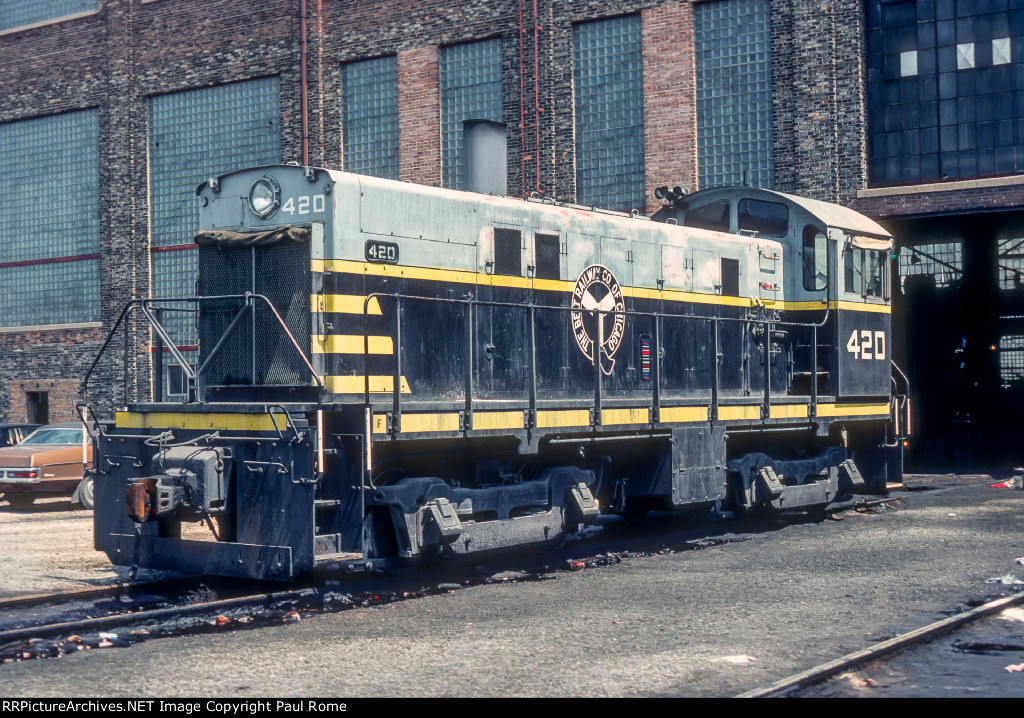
(388, 371)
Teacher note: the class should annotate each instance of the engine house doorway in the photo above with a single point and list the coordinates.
(958, 332)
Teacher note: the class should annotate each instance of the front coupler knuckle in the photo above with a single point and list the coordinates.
(185, 479)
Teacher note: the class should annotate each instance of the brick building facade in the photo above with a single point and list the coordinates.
(141, 66)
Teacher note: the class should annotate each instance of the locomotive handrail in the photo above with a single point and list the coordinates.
(394, 420)
(249, 298)
(904, 401)
(130, 306)
(196, 377)
(165, 340)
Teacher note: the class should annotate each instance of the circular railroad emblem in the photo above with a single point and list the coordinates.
(597, 293)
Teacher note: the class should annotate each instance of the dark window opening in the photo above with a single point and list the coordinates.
(713, 216)
(547, 250)
(38, 406)
(507, 252)
(765, 219)
(954, 116)
(815, 256)
(730, 277)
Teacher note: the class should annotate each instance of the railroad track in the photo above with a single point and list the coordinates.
(54, 624)
(886, 649)
(59, 637)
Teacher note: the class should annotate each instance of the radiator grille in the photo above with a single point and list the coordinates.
(507, 252)
(259, 353)
(548, 250)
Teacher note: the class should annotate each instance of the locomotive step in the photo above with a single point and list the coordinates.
(327, 558)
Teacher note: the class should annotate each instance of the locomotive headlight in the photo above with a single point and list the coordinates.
(264, 197)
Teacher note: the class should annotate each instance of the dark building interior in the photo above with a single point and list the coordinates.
(958, 332)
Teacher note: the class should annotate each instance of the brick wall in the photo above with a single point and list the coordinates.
(129, 51)
(114, 60)
(62, 395)
(895, 203)
(670, 99)
(419, 116)
(818, 98)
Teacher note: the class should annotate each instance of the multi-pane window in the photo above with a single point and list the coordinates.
(370, 116)
(1011, 263)
(1011, 359)
(15, 13)
(49, 200)
(608, 78)
(195, 135)
(960, 113)
(470, 77)
(941, 260)
(734, 92)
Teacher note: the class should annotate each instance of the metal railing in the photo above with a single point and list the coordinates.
(770, 329)
(151, 309)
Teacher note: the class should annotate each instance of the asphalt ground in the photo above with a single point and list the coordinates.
(766, 604)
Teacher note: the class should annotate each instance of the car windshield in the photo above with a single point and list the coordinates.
(54, 436)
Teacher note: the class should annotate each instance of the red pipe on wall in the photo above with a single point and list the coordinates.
(522, 109)
(305, 83)
(536, 88)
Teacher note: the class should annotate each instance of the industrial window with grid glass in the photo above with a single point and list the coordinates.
(195, 135)
(734, 93)
(370, 117)
(607, 71)
(942, 261)
(16, 13)
(49, 191)
(945, 90)
(1011, 263)
(470, 78)
(1011, 359)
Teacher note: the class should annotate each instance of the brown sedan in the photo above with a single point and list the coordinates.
(49, 461)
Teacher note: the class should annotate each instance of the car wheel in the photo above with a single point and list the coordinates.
(85, 492)
(20, 501)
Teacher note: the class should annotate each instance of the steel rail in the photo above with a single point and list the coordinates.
(858, 658)
(101, 623)
(38, 598)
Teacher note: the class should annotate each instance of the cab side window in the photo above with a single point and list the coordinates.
(815, 259)
(713, 216)
(765, 219)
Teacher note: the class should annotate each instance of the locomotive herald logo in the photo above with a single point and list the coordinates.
(597, 291)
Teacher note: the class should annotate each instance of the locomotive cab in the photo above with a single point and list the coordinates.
(837, 273)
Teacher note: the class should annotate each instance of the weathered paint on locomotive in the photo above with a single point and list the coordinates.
(508, 424)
